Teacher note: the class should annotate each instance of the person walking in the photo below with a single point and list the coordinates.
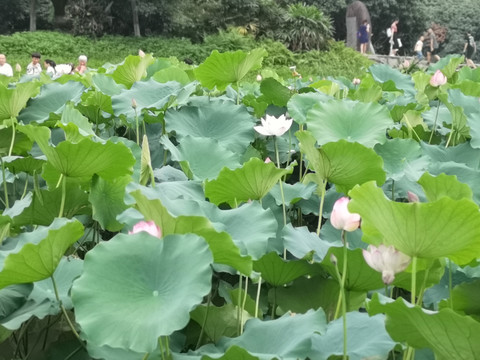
(394, 43)
(469, 50)
(364, 36)
(432, 47)
(418, 49)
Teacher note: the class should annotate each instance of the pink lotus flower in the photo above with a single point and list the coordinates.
(438, 79)
(412, 197)
(268, 160)
(406, 64)
(356, 81)
(387, 260)
(343, 219)
(272, 126)
(147, 226)
(141, 53)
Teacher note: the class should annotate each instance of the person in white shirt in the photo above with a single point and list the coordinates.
(5, 69)
(34, 68)
(49, 66)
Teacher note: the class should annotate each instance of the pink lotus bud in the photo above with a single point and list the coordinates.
(343, 219)
(134, 103)
(356, 81)
(412, 197)
(268, 160)
(406, 64)
(259, 77)
(438, 79)
(18, 68)
(141, 53)
(387, 260)
(147, 226)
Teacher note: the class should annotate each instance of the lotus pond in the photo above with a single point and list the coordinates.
(149, 213)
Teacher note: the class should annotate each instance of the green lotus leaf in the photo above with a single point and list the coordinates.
(221, 244)
(147, 289)
(18, 164)
(12, 298)
(342, 163)
(106, 197)
(250, 182)
(367, 94)
(133, 69)
(160, 64)
(106, 85)
(293, 193)
(171, 73)
(366, 338)
(21, 146)
(219, 321)
(42, 301)
(470, 107)
(274, 92)
(231, 125)
(204, 157)
(384, 73)
(353, 121)
(96, 106)
(233, 353)
(147, 94)
(75, 125)
(37, 253)
(300, 242)
(12, 100)
(465, 299)
(443, 228)
(421, 328)
(221, 70)
(275, 339)
(299, 105)
(402, 157)
(52, 99)
(279, 272)
(44, 206)
(436, 187)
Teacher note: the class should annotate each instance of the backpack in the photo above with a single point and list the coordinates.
(389, 32)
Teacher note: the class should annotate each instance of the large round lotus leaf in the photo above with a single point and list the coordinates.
(299, 105)
(443, 228)
(133, 69)
(384, 73)
(353, 121)
(52, 98)
(14, 99)
(231, 125)
(221, 70)
(135, 288)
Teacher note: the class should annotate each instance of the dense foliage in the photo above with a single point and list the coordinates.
(148, 213)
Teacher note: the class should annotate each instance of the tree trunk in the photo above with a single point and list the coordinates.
(59, 11)
(33, 15)
(136, 24)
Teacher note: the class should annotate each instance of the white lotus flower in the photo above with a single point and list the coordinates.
(387, 260)
(272, 126)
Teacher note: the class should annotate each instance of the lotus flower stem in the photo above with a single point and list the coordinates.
(450, 287)
(5, 190)
(342, 299)
(243, 305)
(434, 124)
(449, 138)
(281, 189)
(146, 356)
(10, 150)
(239, 301)
(137, 127)
(257, 299)
(204, 323)
(414, 280)
(25, 188)
(320, 210)
(63, 179)
(64, 311)
(160, 344)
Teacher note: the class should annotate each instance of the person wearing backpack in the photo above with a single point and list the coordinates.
(433, 46)
(469, 50)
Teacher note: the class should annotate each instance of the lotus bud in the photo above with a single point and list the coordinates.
(259, 77)
(333, 259)
(268, 160)
(406, 64)
(147, 226)
(412, 197)
(343, 219)
(438, 79)
(356, 81)
(141, 53)
(134, 103)
(387, 260)
(18, 68)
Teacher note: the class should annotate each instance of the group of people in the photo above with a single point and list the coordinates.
(51, 68)
(428, 40)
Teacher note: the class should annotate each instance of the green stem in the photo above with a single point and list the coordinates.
(10, 150)
(450, 282)
(320, 210)
(162, 350)
(204, 323)
(393, 190)
(449, 138)
(243, 305)
(64, 311)
(414, 280)
(25, 188)
(301, 161)
(64, 194)
(239, 301)
(5, 190)
(434, 124)
(238, 93)
(280, 182)
(146, 356)
(342, 277)
(137, 127)
(257, 299)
